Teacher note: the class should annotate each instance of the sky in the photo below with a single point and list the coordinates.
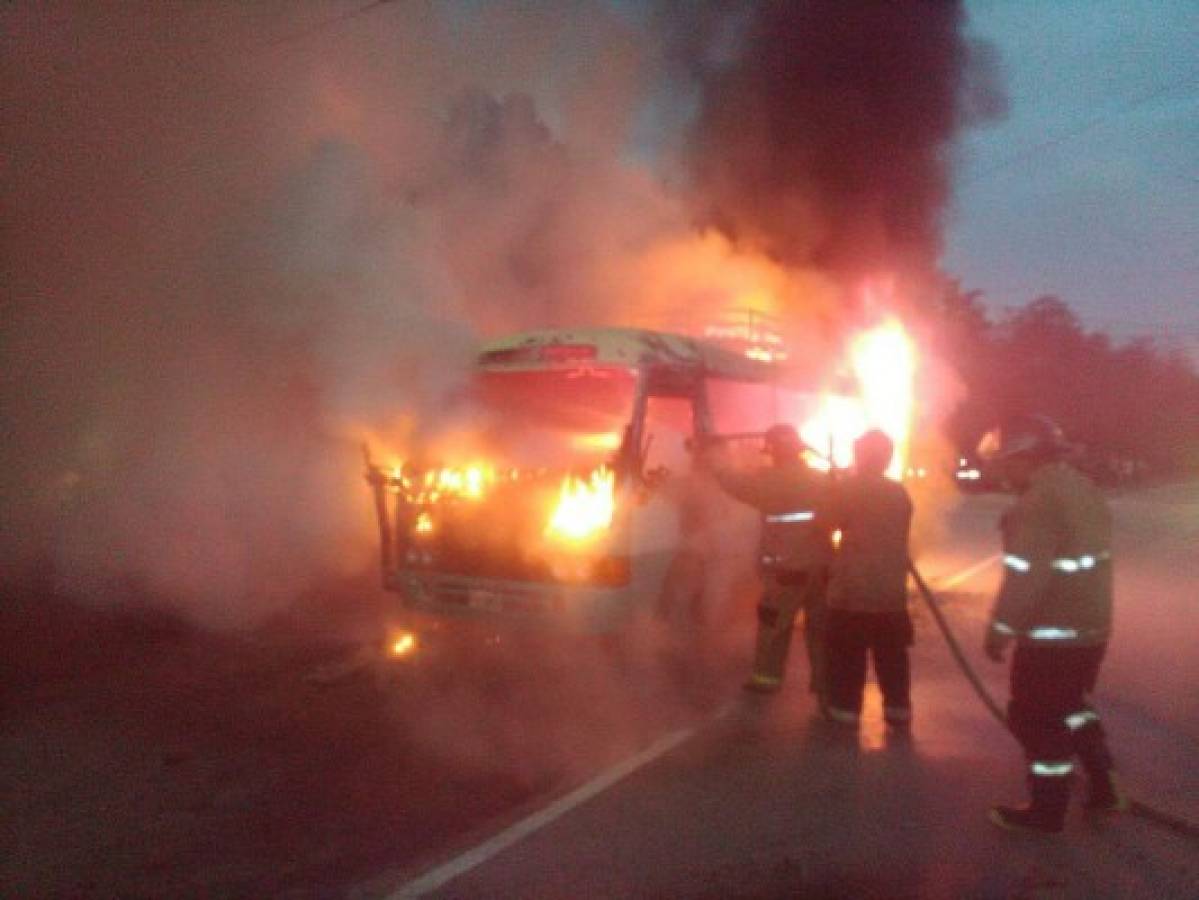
(1089, 188)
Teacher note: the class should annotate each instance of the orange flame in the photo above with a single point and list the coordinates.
(884, 360)
(585, 507)
(403, 643)
(831, 431)
(469, 482)
(599, 441)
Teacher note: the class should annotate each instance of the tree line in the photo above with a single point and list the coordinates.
(1133, 405)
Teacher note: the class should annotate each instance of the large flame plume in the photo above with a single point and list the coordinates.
(838, 421)
(884, 361)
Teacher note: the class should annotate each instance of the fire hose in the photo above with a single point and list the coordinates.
(1136, 807)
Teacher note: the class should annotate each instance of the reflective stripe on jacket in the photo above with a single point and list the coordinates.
(793, 501)
(870, 569)
(1057, 575)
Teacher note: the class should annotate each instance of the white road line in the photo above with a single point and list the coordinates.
(952, 581)
(478, 855)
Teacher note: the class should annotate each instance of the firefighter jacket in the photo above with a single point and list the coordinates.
(870, 570)
(1057, 581)
(793, 501)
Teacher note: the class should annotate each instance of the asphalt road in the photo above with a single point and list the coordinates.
(763, 799)
(142, 758)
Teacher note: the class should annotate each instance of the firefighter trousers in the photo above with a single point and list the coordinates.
(884, 638)
(1050, 714)
(783, 596)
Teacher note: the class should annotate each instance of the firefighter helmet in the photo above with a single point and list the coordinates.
(1027, 436)
(782, 440)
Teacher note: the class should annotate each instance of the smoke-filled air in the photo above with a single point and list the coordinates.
(241, 240)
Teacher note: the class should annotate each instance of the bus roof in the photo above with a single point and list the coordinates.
(630, 348)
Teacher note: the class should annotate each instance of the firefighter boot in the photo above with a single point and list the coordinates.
(1047, 812)
(770, 650)
(1105, 794)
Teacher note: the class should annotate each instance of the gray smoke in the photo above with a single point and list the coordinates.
(237, 243)
(238, 239)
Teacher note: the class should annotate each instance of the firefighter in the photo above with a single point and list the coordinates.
(794, 552)
(868, 612)
(1055, 605)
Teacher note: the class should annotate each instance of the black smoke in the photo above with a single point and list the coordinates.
(824, 130)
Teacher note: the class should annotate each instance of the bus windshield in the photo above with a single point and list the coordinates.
(555, 418)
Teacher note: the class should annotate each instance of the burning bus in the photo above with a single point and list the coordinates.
(567, 517)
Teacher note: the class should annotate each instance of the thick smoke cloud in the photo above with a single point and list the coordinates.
(236, 245)
(238, 240)
(824, 130)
